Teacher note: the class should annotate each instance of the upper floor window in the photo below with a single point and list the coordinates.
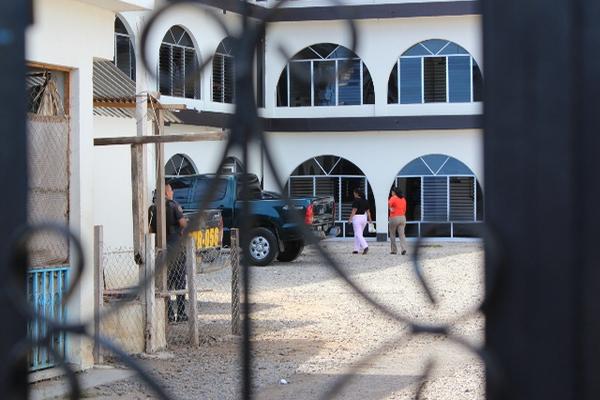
(435, 71)
(178, 65)
(223, 73)
(124, 53)
(325, 74)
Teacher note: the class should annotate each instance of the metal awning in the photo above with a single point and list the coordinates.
(114, 93)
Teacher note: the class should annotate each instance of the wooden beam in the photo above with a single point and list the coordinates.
(192, 137)
(138, 204)
(161, 229)
(130, 103)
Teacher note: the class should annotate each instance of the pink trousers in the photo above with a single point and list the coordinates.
(359, 222)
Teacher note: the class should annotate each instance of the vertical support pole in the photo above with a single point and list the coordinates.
(138, 203)
(235, 282)
(161, 229)
(543, 317)
(98, 289)
(14, 18)
(149, 295)
(190, 261)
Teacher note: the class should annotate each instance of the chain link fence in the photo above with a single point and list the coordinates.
(216, 272)
(120, 276)
(200, 303)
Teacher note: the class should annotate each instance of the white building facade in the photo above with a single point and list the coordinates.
(407, 112)
(402, 108)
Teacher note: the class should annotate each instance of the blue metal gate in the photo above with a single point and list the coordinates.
(45, 290)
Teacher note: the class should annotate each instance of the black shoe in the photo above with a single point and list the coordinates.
(355, 252)
(393, 252)
(403, 252)
(366, 250)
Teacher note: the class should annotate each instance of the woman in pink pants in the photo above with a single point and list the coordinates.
(358, 218)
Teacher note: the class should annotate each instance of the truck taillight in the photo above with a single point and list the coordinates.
(308, 217)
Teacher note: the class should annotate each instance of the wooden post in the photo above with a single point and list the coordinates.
(149, 295)
(235, 282)
(138, 202)
(98, 288)
(161, 229)
(190, 261)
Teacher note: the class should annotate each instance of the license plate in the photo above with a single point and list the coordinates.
(207, 238)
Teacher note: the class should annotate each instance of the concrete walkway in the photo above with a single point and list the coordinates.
(58, 388)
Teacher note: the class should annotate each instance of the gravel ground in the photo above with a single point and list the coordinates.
(310, 328)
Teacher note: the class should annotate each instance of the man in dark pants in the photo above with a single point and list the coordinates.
(176, 271)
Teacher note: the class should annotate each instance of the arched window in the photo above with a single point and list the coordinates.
(325, 75)
(124, 53)
(330, 175)
(223, 73)
(180, 165)
(435, 71)
(442, 192)
(178, 65)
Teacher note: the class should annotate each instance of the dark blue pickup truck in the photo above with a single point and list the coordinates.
(274, 232)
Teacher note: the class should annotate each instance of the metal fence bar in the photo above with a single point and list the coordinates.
(14, 18)
(190, 258)
(47, 291)
(98, 287)
(544, 321)
(235, 282)
(149, 295)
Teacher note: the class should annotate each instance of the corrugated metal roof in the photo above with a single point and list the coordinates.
(113, 85)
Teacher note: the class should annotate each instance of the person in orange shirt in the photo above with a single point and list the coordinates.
(397, 220)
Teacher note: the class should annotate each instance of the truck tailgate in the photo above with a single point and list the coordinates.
(323, 210)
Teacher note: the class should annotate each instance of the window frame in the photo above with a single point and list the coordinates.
(472, 64)
(197, 95)
(131, 53)
(223, 56)
(318, 58)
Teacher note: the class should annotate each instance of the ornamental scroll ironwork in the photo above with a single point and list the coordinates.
(245, 128)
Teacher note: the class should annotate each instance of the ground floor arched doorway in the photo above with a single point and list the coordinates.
(444, 197)
(330, 175)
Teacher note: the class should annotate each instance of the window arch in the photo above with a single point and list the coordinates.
(442, 192)
(124, 52)
(435, 71)
(325, 74)
(331, 175)
(223, 88)
(178, 65)
(180, 165)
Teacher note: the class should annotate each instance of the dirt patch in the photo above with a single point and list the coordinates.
(310, 329)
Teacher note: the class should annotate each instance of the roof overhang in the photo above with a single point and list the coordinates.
(122, 5)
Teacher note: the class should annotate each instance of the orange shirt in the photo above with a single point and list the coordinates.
(397, 206)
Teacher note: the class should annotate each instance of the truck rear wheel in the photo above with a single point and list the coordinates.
(292, 250)
(262, 247)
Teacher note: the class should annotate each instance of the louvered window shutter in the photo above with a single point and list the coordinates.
(435, 198)
(462, 206)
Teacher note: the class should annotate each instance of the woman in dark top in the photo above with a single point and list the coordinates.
(358, 218)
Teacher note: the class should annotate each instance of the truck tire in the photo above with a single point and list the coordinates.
(262, 247)
(292, 250)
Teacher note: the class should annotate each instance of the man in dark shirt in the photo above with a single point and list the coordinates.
(176, 272)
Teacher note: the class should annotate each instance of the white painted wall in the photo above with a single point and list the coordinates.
(380, 155)
(380, 44)
(69, 33)
(206, 34)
